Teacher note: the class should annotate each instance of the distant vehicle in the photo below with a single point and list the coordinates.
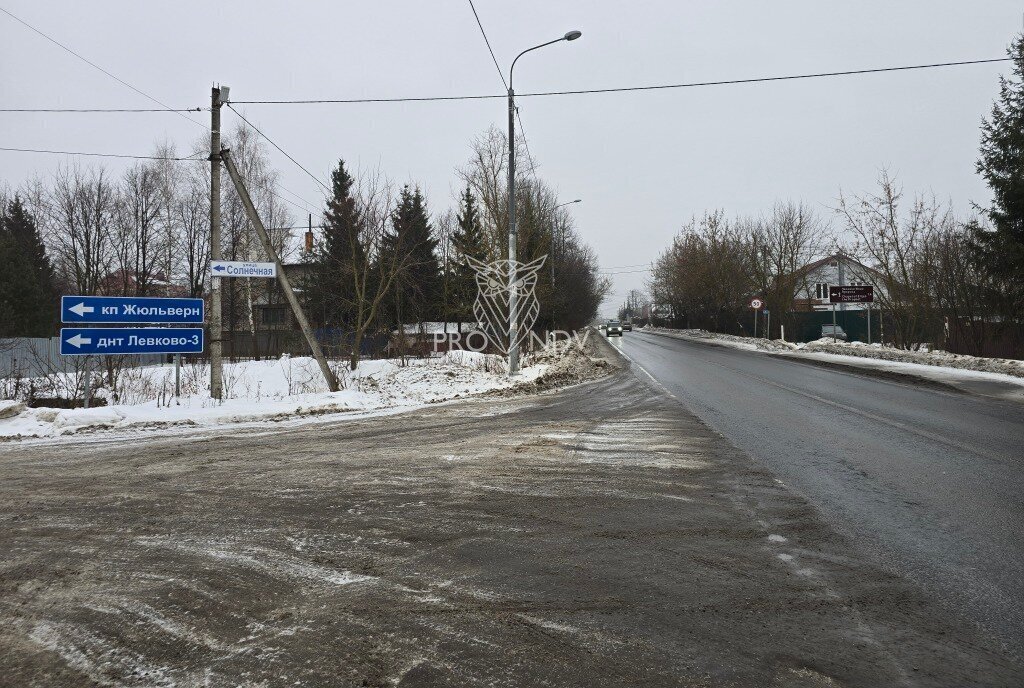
(833, 332)
(613, 328)
(627, 326)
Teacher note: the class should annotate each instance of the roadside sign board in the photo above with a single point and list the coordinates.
(851, 294)
(756, 303)
(126, 309)
(234, 268)
(99, 341)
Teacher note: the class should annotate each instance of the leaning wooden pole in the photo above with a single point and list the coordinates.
(250, 210)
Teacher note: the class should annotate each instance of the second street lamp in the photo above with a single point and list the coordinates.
(551, 253)
(513, 291)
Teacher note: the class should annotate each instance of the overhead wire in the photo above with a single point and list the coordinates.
(501, 75)
(282, 150)
(101, 110)
(623, 89)
(102, 155)
(101, 69)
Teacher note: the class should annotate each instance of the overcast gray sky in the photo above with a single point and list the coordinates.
(643, 163)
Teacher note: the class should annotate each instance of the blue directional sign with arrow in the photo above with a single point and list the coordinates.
(98, 341)
(127, 309)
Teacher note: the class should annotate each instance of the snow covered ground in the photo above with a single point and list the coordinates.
(940, 366)
(278, 390)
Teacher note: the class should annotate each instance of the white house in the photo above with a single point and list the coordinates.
(837, 270)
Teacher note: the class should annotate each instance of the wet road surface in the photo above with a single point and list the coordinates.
(597, 536)
(926, 481)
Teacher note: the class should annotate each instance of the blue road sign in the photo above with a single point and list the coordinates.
(127, 309)
(100, 341)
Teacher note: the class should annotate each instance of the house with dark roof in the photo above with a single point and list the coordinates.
(836, 270)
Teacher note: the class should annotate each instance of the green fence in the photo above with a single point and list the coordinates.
(806, 327)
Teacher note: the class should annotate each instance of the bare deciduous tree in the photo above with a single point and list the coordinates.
(138, 246)
(79, 212)
(897, 246)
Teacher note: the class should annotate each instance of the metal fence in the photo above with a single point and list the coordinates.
(38, 356)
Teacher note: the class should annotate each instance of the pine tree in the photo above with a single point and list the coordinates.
(1002, 166)
(28, 295)
(329, 290)
(469, 241)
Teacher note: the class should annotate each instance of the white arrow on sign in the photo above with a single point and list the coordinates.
(78, 340)
(81, 309)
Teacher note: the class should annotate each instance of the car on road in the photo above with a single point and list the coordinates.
(627, 326)
(613, 328)
(833, 332)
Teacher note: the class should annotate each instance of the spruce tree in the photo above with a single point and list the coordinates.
(468, 241)
(28, 295)
(418, 286)
(329, 290)
(1002, 166)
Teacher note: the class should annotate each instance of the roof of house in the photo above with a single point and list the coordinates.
(810, 267)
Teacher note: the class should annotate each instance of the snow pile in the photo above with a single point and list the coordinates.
(431, 328)
(845, 351)
(285, 389)
(1004, 366)
(564, 363)
(748, 343)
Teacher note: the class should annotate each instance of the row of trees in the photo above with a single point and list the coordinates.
(939, 275)
(714, 266)
(932, 269)
(145, 232)
(382, 259)
(381, 256)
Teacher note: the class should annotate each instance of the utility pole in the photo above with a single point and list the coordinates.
(282, 278)
(513, 293)
(216, 326)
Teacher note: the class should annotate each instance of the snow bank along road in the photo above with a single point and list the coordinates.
(927, 481)
(597, 536)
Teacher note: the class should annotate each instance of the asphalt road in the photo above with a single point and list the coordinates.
(925, 481)
(600, 535)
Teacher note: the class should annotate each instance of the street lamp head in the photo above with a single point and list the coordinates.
(573, 35)
(577, 200)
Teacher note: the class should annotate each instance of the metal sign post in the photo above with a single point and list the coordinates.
(88, 392)
(851, 294)
(756, 305)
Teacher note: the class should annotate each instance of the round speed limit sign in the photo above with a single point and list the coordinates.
(756, 303)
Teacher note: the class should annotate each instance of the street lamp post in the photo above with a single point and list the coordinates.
(551, 256)
(513, 287)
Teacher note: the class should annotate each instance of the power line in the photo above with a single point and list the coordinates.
(96, 66)
(278, 196)
(282, 150)
(622, 267)
(695, 84)
(501, 75)
(102, 110)
(101, 155)
(627, 272)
